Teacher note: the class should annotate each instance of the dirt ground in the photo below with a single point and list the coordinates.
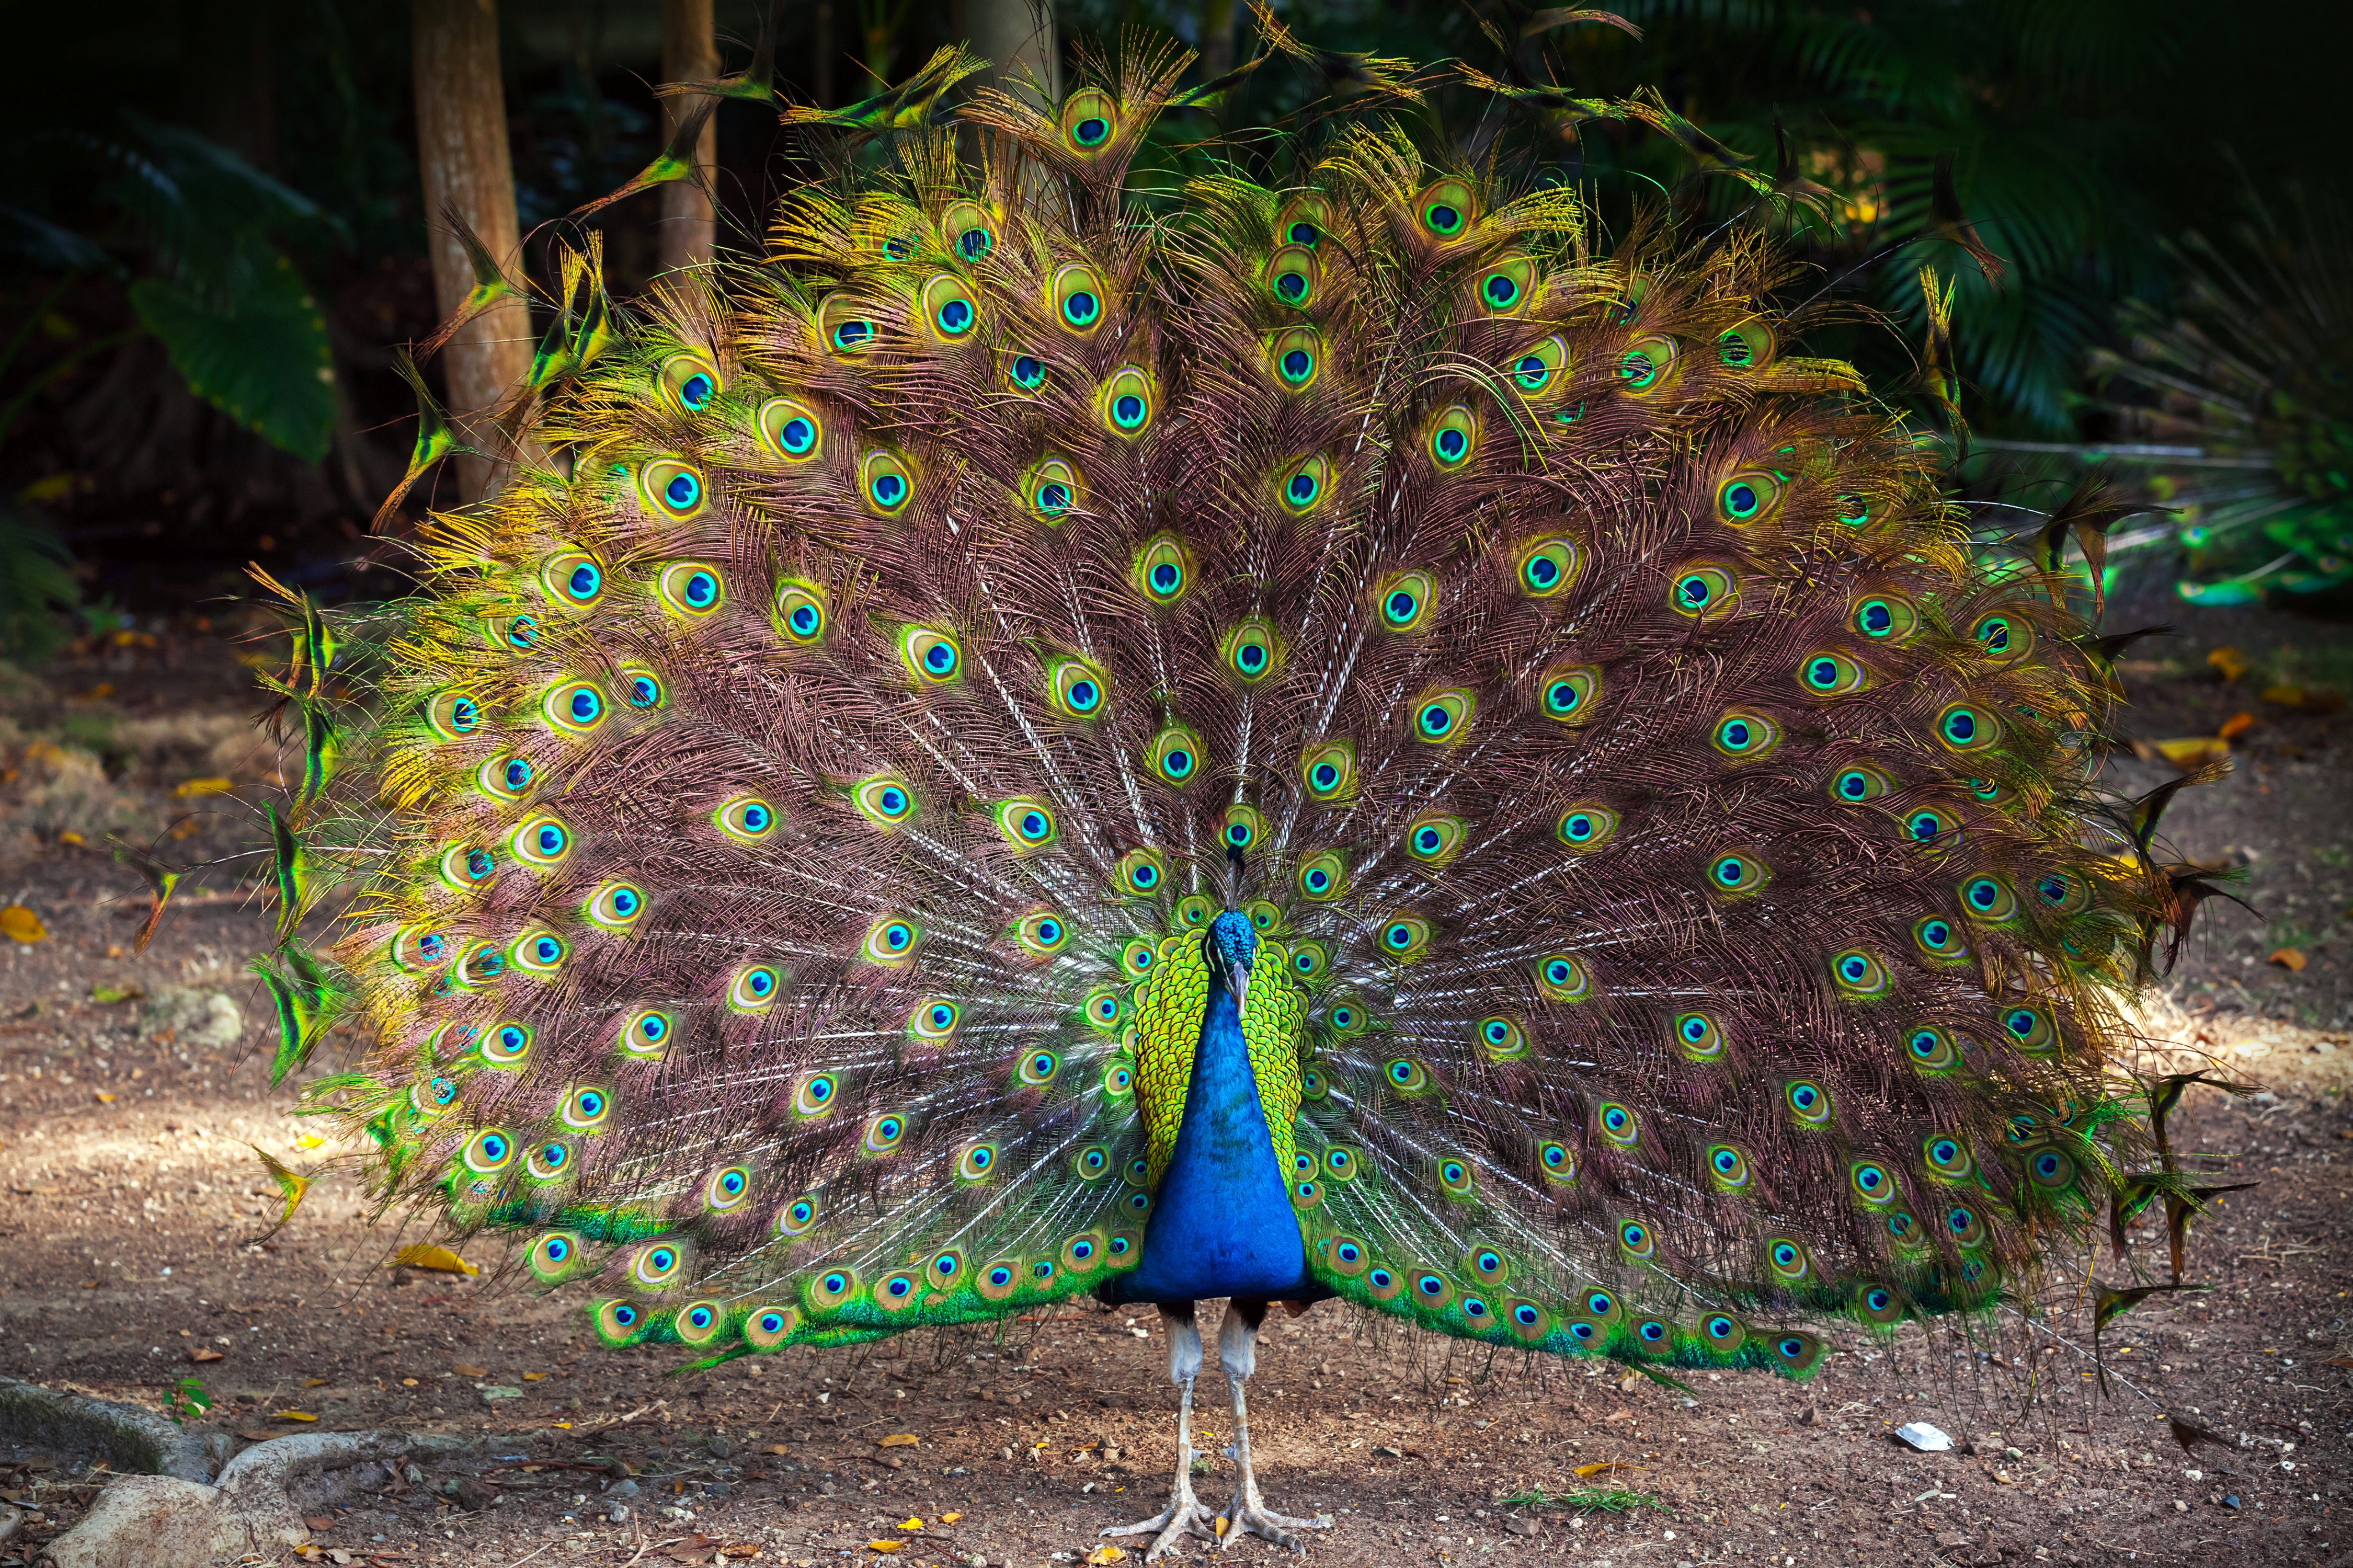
(128, 1192)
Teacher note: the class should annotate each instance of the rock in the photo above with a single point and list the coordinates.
(1927, 1439)
(1981, 1449)
(617, 1514)
(474, 1494)
(493, 1392)
(622, 1489)
(721, 1449)
(1810, 1414)
(203, 1018)
(1520, 1526)
(1951, 1538)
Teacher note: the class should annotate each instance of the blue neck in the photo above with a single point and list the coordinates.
(1221, 1224)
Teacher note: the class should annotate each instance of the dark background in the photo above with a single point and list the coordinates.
(2087, 135)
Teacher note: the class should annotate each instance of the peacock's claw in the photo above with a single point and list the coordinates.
(1268, 1525)
(1184, 1514)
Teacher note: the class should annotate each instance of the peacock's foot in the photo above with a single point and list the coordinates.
(1268, 1525)
(1184, 1514)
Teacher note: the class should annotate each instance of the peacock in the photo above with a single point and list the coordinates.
(1059, 736)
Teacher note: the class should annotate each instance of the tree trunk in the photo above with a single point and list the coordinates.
(1217, 38)
(1019, 36)
(461, 147)
(689, 228)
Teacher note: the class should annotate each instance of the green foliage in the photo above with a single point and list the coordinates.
(216, 290)
(264, 361)
(1586, 1500)
(186, 1400)
(37, 590)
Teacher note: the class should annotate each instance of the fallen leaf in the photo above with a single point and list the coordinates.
(200, 1353)
(898, 1440)
(2186, 753)
(438, 1259)
(776, 1449)
(1104, 1553)
(2229, 662)
(2236, 725)
(886, 1545)
(70, 837)
(310, 1140)
(2288, 958)
(911, 1523)
(195, 787)
(408, 1383)
(293, 1415)
(318, 1522)
(107, 995)
(2341, 1361)
(105, 1099)
(950, 1518)
(534, 1376)
(2286, 695)
(462, 1369)
(259, 1436)
(1583, 1471)
(314, 1382)
(21, 924)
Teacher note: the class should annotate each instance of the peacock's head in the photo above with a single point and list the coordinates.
(1231, 944)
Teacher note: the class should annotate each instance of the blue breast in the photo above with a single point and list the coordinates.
(1221, 1224)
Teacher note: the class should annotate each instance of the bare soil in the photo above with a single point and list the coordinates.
(129, 1199)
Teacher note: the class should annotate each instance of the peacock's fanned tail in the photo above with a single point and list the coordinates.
(774, 814)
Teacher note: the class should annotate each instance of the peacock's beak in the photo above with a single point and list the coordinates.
(1238, 982)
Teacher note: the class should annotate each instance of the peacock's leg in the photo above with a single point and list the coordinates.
(1184, 1511)
(1237, 1353)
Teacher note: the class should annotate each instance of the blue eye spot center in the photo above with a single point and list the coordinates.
(1127, 409)
(1297, 362)
(683, 490)
(584, 581)
(797, 436)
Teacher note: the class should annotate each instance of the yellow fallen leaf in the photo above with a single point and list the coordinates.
(408, 1383)
(293, 1416)
(314, 1382)
(310, 1140)
(886, 1545)
(776, 1449)
(1582, 1471)
(462, 1369)
(21, 924)
(70, 837)
(534, 1376)
(1103, 1554)
(2236, 725)
(914, 1523)
(2192, 751)
(2286, 695)
(195, 787)
(438, 1259)
(950, 1518)
(2229, 662)
(898, 1440)
(560, 1426)
(2288, 958)
(106, 1098)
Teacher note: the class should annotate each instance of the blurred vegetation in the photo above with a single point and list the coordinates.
(223, 196)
